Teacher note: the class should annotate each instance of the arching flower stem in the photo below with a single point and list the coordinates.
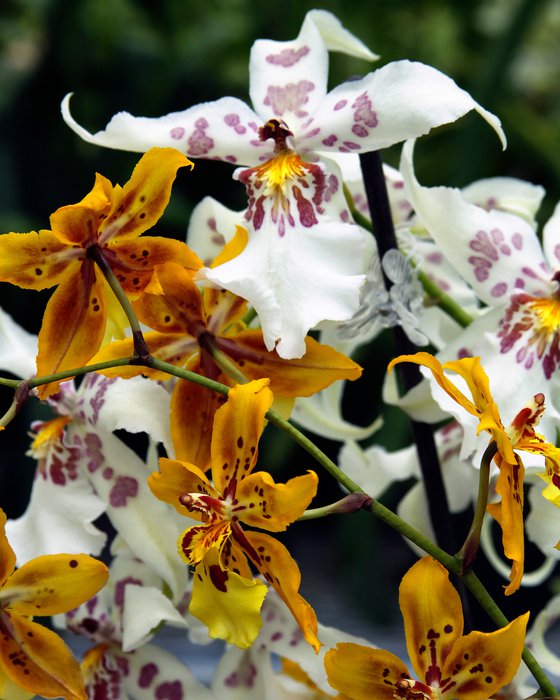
(468, 551)
(140, 345)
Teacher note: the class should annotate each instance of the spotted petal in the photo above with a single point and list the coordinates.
(7, 556)
(263, 503)
(433, 617)
(399, 101)
(225, 129)
(480, 664)
(238, 425)
(35, 260)
(227, 603)
(38, 660)
(497, 253)
(54, 583)
(289, 78)
(362, 673)
(302, 263)
(276, 564)
(73, 325)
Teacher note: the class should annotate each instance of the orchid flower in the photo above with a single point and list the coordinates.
(104, 226)
(519, 435)
(304, 261)
(190, 329)
(85, 470)
(31, 656)
(498, 253)
(225, 596)
(451, 666)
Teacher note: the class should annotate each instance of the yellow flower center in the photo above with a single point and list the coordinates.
(50, 432)
(285, 166)
(547, 311)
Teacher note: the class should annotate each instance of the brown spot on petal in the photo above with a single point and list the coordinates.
(218, 577)
(72, 563)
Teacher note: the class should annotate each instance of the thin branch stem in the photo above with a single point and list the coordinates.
(468, 551)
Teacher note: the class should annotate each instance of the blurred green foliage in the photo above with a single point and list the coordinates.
(152, 57)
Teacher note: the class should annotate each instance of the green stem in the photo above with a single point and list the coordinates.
(140, 345)
(468, 551)
(228, 367)
(358, 217)
(443, 300)
(11, 383)
(79, 371)
(10, 413)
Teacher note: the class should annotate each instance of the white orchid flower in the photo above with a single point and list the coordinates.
(304, 260)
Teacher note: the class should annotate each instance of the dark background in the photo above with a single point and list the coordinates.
(151, 58)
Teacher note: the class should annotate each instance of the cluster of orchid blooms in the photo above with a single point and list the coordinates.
(200, 346)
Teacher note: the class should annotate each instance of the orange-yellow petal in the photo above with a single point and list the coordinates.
(260, 502)
(361, 673)
(509, 515)
(433, 617)
(54, 583)
(233, 248)
(174, 348)
(192, 415)
(36, 260)
(10, 689)
(141, 202)
(78, 224)
(480, 664)
(276, 564)
(238, 425)
(319, 367)
(175, 479)
(134, 261)
(7, 556)
(73, 325)
(38, 660)
(180, 307)
(228, 604)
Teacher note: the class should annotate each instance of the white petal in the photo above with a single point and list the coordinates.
(288, 79)
(18, 348)
(375, 469)
(399, 101)
(149, 526)
(507, 194)
(417, 403)
(294, 282)
(497, 253)
(146, 607)
(226, 129)
(302, 263)
(551, 238)
(155, 674)
(543, 522)
(211, 226)
(58, 519)
(137, 405)
(336, 37)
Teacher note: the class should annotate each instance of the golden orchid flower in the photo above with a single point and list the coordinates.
(187, 325)
(104, 225)
(225, 595)
(32, 656)
(451, 666)
(520, 435)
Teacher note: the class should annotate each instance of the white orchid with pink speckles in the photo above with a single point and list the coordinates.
(499, 255)
(304, 262)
